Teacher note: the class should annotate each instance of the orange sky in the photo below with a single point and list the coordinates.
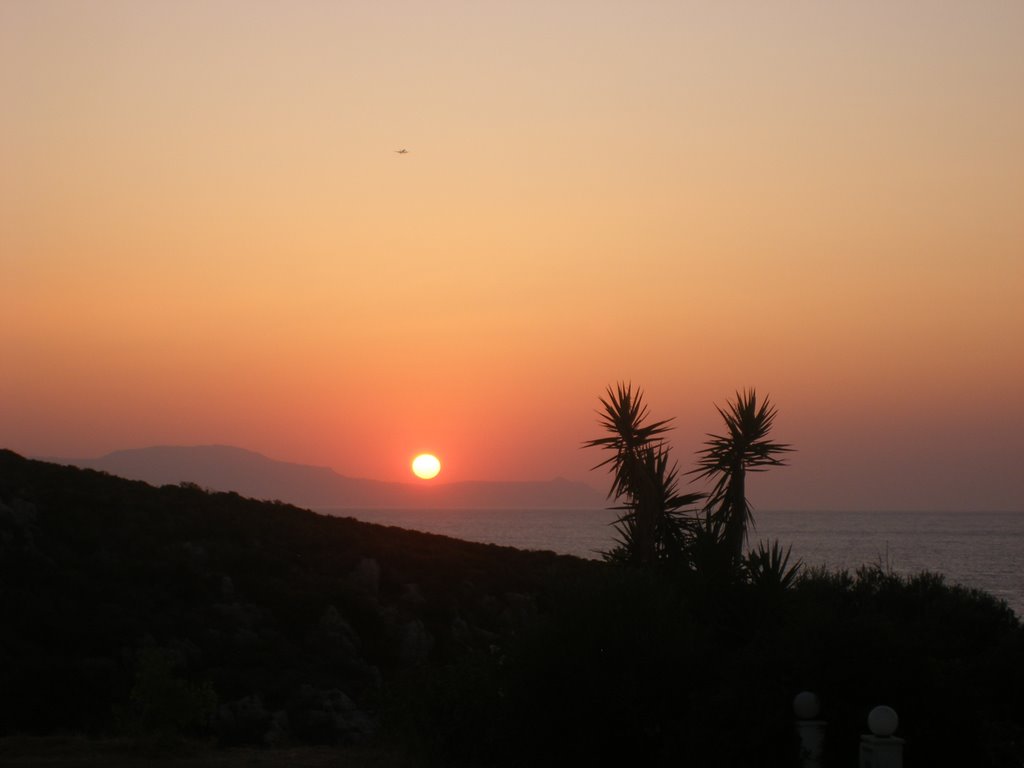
(206, 235)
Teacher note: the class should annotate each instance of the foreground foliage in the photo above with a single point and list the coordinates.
(156, 613)
(630, 669)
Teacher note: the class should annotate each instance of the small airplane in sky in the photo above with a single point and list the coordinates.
(402, 151)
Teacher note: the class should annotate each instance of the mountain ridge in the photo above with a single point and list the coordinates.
(252, 474)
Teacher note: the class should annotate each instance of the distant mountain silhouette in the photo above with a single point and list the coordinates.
(227, 468)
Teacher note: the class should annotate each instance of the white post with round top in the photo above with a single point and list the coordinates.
(809, 730)
(880, 749)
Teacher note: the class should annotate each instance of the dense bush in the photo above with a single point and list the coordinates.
(631, 669)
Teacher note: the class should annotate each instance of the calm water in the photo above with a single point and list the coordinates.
(977, 549)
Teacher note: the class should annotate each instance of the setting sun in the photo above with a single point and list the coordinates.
(426, 466)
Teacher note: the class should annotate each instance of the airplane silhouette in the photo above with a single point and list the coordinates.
(402, 151)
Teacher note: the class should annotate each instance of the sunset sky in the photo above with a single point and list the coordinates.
(206, 235)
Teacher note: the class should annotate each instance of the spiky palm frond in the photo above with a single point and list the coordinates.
(706, 548)
(746, 443)
(660, 502)
(769, 568)
(727, 458)
(654, 523)
(623, 418)
(651, 526)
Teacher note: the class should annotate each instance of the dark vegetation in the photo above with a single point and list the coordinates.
(169, 612)
(165, 613)
(660, 526)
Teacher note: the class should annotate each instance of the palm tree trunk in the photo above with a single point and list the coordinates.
(646, 515)
(736, 519)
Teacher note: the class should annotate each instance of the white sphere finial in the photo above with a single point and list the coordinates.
(883, 721)
(806, 705)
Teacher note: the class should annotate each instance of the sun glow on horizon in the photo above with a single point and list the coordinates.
(245, 261)
(426, 466)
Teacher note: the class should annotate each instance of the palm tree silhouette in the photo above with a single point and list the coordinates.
(727, 458)
(652, 526)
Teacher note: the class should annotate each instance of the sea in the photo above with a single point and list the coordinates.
(976, 549)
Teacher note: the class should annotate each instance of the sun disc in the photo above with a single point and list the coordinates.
(426, 466)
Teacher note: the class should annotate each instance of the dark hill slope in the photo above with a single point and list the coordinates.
(133, 609)
(292, 618)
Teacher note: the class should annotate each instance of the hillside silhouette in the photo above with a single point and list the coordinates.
(160, 613)
(134, 601)
(227, 468)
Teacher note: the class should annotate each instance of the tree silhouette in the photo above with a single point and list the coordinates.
(727, 458)
(652, 526)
